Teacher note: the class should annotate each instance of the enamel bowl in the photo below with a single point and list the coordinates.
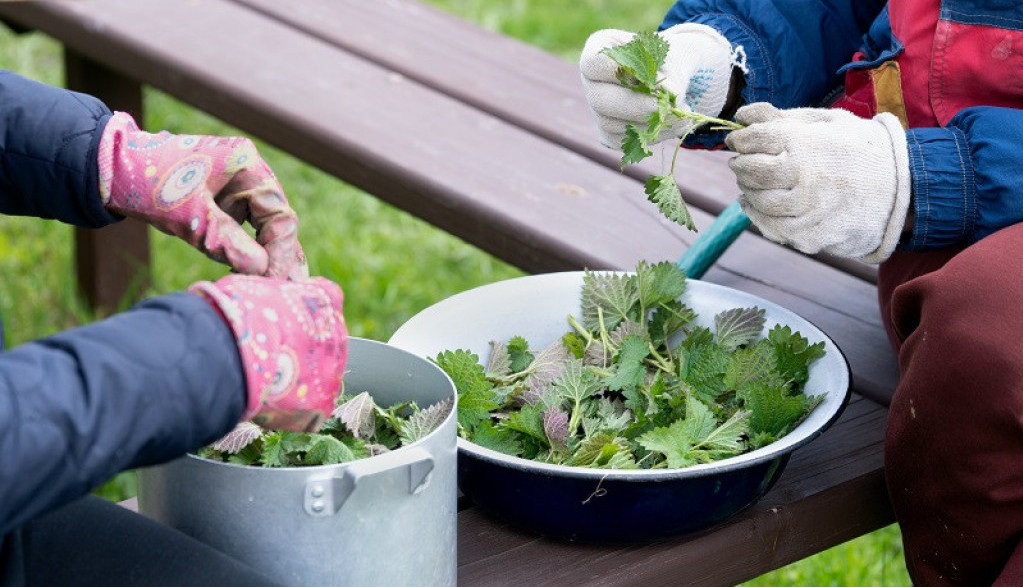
(601, 505)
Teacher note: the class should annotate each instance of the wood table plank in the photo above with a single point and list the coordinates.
(507, 78)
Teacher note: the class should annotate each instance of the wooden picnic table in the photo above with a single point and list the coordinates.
(490, 139)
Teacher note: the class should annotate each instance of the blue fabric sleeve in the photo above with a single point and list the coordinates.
(136, 389)
(966, 177)
(48, 143)
(793, 48)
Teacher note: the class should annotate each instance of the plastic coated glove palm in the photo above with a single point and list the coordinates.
(697, 69)
(823, 179)
(292, 341)
(200, 189)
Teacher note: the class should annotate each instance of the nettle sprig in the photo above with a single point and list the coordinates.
(639, 62)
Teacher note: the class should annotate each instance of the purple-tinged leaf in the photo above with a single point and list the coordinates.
(500, 361)
(547, 366)
(555, 426)
(242, 435)
(358, 415)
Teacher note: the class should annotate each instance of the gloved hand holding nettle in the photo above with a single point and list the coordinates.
(697, 68)
(823, 179)
(201, 189)
(293, 343)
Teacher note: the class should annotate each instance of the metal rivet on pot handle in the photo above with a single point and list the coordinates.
(325, 494)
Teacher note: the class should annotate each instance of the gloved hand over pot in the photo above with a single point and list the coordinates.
(201, 189)
(823, 179)
(293, 345)
(697, 68)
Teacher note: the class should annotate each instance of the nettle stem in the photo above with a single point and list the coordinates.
(704, 119)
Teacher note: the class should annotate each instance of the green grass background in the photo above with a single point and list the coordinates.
(354, 239)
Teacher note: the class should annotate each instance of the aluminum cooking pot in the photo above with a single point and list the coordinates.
(388, 520)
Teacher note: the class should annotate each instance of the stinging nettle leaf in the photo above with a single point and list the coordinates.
(624, 330)
(738, 326)
(529, 421)
(244, 434)
(358, 415)
(670, 441)
(610, 417)
(423, 422)
(639, 60)
(752, 365)
(574, 383)
(630, 371)
(475, 393)
(608, 295)
(663, 191)
(327, 450)
(555, 426)
(497, 438)
(635, 146)
(795, 353)
(548, 366)
(727, 439)
(660, 283)
(518, 350)
(500, 361)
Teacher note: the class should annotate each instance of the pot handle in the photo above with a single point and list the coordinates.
(325, 494)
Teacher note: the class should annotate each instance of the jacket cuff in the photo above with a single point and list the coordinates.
(903, 189)
(944, 189)
(94, 207)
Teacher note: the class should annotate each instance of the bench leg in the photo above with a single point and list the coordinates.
(112, 262)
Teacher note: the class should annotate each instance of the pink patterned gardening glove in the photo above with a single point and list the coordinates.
(201, 189)
(293, 344)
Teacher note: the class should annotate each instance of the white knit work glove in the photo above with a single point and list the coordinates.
(697, 69)
(823, 179)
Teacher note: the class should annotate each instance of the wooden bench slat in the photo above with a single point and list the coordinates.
(459, 59)
(546, 97)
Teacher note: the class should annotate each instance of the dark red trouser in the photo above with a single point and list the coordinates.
(954, 444)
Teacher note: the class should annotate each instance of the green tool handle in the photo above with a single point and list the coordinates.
(710, 245)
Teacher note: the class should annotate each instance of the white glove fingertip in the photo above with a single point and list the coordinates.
(760, 171)
(756, 112)
(760, 138)
(615, 101)
(593, 64)
(773, 203)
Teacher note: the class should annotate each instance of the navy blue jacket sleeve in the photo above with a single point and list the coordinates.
(48, 142)
(966, 177)
(136, 389)
(793, 49)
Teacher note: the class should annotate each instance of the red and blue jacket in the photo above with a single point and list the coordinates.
(951, 70)
(136, 389)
